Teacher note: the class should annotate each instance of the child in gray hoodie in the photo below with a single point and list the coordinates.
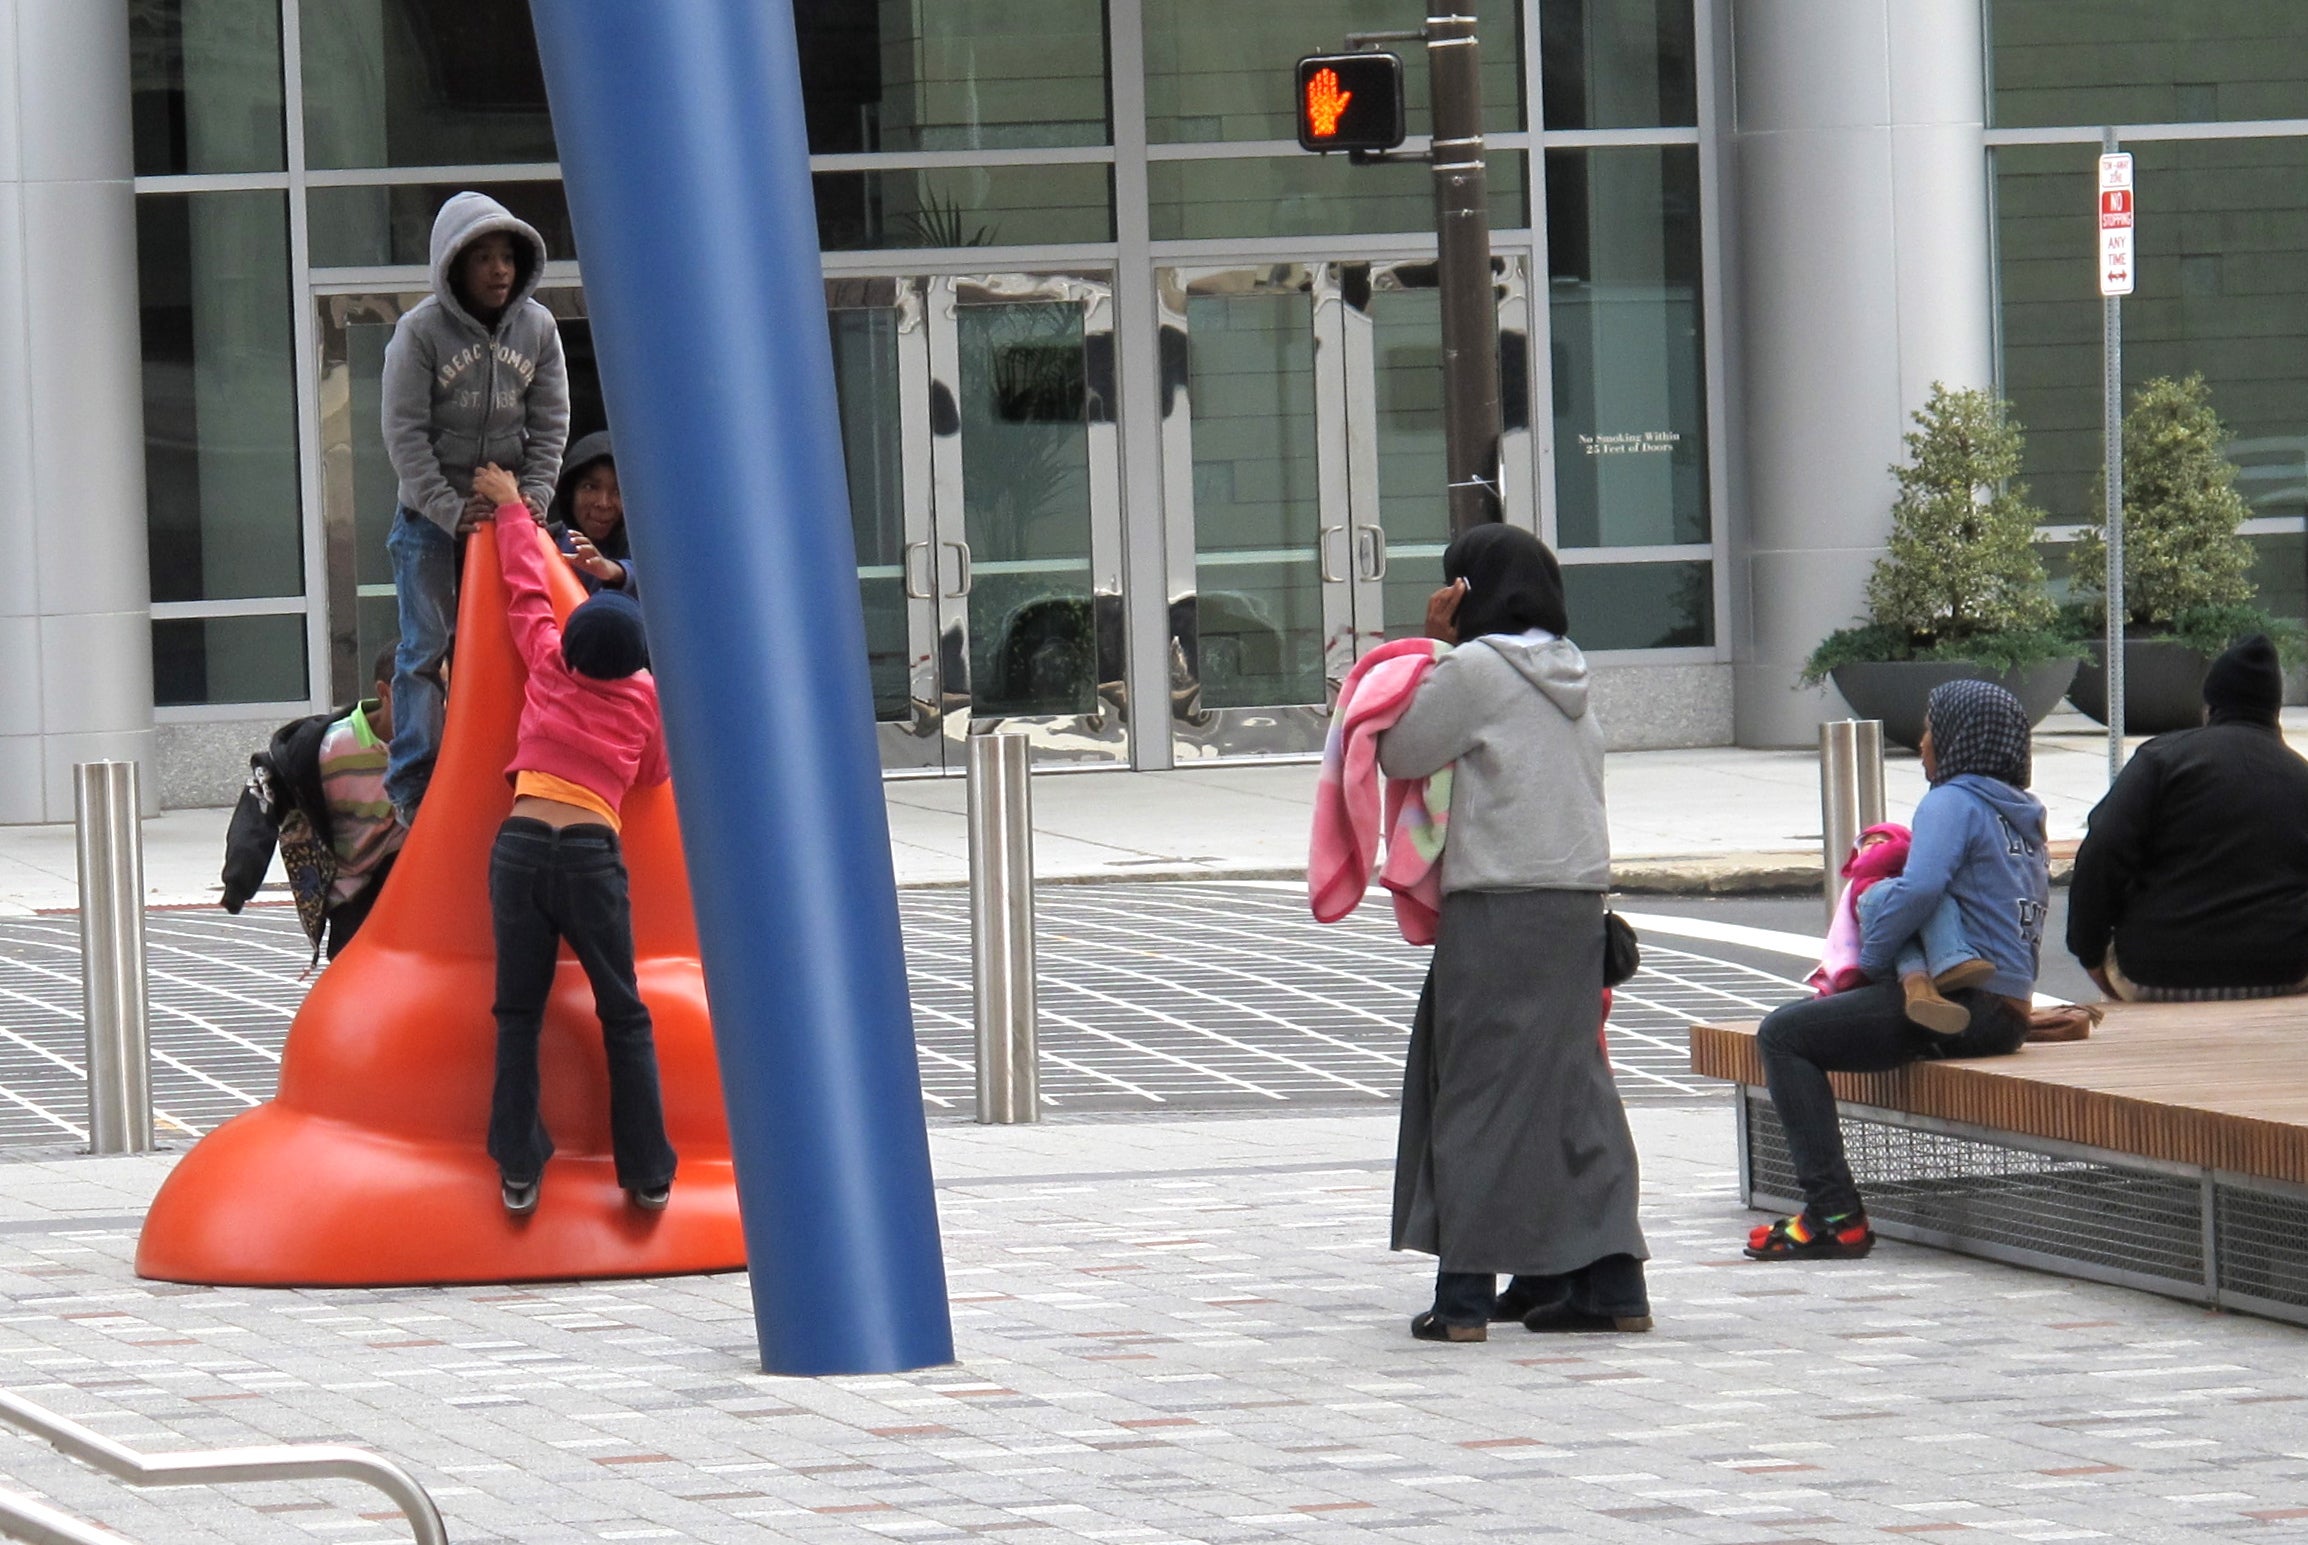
(474, 375)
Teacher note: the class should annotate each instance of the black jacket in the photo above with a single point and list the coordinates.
(284, 787)
(2196, 863)
(284, 776)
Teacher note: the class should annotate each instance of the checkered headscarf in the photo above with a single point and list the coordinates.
(1978, 727)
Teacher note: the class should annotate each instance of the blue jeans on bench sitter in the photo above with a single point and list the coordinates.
(1865, 1030)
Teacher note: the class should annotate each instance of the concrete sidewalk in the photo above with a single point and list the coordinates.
(1714, 819)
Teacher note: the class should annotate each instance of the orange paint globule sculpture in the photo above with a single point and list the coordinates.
(367, 1168)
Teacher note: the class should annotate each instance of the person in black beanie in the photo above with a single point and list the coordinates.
(2192, 881)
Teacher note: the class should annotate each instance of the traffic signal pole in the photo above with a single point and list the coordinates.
(1470, 329)
(1353, 102)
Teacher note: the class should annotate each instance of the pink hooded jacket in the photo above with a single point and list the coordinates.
(1838, 969)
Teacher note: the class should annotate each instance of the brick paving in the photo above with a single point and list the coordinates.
(1182, 1331)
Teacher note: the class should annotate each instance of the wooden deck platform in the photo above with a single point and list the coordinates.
(2217, 1085)
(2167, 1152)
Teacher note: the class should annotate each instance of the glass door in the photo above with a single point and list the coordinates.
(979, 434)
(979, 441)
(1303, 475)
(881, 367)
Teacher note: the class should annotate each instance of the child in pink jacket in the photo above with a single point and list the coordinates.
(589, 733)
(1940, 957)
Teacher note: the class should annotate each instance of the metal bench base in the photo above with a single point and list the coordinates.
(2208, 1236)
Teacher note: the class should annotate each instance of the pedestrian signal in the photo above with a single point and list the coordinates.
(1350, 102)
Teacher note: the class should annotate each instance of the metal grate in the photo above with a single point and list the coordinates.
(2135, 1221)
(2263, 1245)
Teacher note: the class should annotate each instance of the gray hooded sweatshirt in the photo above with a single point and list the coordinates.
(1526, 807)
(459, 395)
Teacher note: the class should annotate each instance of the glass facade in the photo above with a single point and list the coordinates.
(384, 225)
(2059, 62)
(1220, 70)
(902, 75)
(224, 515)
(1303, 195)
(207, 86)
(982, 421)
(965, 206)
(422, 83)
(2221, 292)
(1629, 360)
(1618, 64)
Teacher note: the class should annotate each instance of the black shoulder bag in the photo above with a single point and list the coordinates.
(1622, 953)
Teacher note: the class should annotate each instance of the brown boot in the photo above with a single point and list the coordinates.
(1969, 973)
(1927, 1008)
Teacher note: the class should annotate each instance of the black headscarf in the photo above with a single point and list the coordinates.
(1513, 583)
(1978, 727)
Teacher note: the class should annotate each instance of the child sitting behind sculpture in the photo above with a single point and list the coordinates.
(1938, 958)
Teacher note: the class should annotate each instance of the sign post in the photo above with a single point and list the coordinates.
(1353, 102)
(2117, 263)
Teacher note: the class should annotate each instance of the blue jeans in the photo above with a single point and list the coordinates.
(1938, 946)
(425, 585)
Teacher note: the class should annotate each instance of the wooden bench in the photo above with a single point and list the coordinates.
(2168, 1152)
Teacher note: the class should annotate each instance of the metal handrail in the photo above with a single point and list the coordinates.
(216, 1467)
(37, 1523)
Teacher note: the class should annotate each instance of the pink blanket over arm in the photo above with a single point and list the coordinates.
(1349, 811)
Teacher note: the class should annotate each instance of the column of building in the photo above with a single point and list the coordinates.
(75, 615)
(1862, 241)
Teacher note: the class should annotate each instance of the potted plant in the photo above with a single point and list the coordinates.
(2187, 574)
(1960, 593)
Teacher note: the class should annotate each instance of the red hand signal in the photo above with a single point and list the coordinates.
(1325, 104)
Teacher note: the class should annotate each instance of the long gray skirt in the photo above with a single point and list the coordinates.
(1515, 1155)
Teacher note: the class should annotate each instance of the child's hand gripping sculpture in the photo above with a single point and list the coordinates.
(498, 487)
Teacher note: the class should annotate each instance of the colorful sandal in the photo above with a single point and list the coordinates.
(1806, 1238)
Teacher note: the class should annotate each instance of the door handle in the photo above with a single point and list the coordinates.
(1322, 554)
(963, 577)
(906, 562)
(1370, 552)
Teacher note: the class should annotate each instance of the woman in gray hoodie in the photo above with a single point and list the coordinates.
(473, 376)
(1514, 1156)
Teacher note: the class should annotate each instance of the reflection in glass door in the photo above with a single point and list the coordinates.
(1303, 476)
(978, 429)
(881, 382)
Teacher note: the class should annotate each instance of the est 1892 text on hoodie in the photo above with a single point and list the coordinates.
(458, 394)
(1980, 841)
(1526, 808)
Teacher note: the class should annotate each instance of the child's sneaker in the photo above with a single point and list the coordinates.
(1806, 1238)
(1927, 1008)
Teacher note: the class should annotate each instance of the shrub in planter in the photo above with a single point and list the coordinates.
(2187, 574)
(1961, 590)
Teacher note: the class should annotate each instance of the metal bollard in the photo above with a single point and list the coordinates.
(112, 980)
(1850, 795)
(1002, 929)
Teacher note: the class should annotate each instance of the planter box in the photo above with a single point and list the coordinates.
(2163, 686)
(1895, 691)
